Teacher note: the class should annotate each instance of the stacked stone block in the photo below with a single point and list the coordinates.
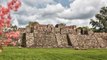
(48, 36)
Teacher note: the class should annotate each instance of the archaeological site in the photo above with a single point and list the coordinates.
(61, 36)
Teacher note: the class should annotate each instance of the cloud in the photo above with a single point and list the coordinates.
(51, 10)
(28, 13)
(71, 1)
(70, 12)
(82, 9)
(38, 3)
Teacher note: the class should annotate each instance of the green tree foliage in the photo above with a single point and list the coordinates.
(100, 24)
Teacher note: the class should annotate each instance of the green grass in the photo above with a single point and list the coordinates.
(14, 53)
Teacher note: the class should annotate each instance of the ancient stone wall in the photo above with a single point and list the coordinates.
(96, 40)
(48, 36)
(45, 40)
(61, 40)
(30, 40)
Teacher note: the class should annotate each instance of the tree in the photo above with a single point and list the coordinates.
(5, 19)
(100, 24)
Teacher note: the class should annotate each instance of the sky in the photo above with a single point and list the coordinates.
(69, 12)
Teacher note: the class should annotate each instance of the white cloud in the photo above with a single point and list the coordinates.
(28, 13)
(82, 9)
(51, 12)
(54, 8)
(15, 22)
(38, 3)
(71, 0)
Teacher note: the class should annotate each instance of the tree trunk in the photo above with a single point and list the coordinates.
(1, 48)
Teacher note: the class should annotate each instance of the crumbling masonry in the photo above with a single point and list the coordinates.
(61, 36)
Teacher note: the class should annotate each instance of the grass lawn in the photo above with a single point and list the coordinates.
(14, 53)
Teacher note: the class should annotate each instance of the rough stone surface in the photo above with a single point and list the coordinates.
(97, 40)
(29, 40)
(48, 36)
(45, 40)
(61, 40)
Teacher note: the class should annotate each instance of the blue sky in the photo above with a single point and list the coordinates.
(70, 12)
(65, 3)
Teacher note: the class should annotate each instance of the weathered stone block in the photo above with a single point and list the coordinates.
(45, 40)
(62, 40)
(30, 40)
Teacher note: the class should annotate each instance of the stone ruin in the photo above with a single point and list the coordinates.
(61, 36)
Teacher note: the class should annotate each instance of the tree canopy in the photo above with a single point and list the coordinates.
(100, 23)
